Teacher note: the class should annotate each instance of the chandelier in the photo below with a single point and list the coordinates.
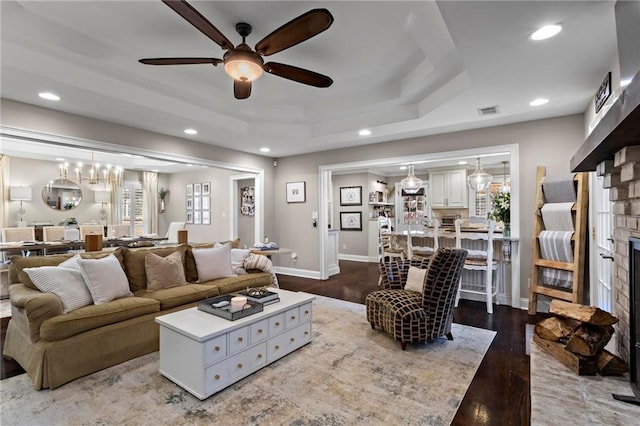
(94, 174)
(411, 184)
(479, 180)
(505, 187)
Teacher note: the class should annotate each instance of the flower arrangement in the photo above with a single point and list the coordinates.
(501, 207)
(162, 193)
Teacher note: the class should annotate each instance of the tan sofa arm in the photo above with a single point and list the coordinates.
(34, 307)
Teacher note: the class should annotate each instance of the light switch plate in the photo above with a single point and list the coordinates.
(314, 215)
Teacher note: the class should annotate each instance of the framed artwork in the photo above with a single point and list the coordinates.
(189, 217)
(197, 203)
(206, 217)
(189, 190)
(296, 192)
(603, 93)
(247, 201)
(197, 218)
(350, 195)
(206, 188)
(197, 189)
(190, 203)
(206, 203)
(351, 221)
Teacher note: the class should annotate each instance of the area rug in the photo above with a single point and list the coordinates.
(561, 397)
(348, 375)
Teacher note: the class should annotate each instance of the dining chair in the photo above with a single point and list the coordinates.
(480, 258)
(91, 229)
(53, 233)
(117, 231)
(390, 247)
(426, 250)
(16, 235)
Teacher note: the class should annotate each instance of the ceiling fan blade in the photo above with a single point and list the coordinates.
(298, 74)
(194, 17)
(180, 61)
(295, 31)
(241, 89)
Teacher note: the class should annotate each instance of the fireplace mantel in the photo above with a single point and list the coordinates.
(619, 128)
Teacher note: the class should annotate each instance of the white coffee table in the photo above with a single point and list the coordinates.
(204, 353)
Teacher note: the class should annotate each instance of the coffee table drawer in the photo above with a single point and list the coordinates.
(215, 349)
(259, 331)
(289, 341)
(216, 377)
(292, 318)
(277, 324)
(247, 362)
(305, 312)
(238, 340)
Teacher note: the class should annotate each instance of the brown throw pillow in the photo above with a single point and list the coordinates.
(164, 272)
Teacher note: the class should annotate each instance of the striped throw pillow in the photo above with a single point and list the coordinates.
(65, 283)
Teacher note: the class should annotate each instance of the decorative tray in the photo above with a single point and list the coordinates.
(225, 312)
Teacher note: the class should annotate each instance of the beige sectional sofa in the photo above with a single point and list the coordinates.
(55, 347)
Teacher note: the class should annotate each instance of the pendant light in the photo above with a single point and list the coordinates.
(479, 180)
(411, 184)
(505, 188)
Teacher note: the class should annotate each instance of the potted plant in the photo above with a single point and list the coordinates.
(162, 193)
(502, 210)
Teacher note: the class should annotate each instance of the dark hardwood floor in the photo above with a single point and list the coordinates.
(499, 393)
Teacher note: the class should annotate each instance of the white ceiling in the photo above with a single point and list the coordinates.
(401, 69)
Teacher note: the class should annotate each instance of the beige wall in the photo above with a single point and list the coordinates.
(550, 143)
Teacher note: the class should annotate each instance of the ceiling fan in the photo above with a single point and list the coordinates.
(244, 64)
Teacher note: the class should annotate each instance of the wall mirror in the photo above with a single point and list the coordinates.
(62, 194)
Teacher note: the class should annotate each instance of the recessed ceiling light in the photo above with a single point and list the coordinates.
(191, 131)
(59, 159)
(264, 149)
(155, 171)
(49, 96)
(546, 32)
(462, 162)
(190, 165)
(538, 102)
(403, 167)
(625, 82)
(364, 132)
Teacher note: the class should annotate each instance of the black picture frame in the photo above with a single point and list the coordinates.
(603, 93)
(350, 195)
(296, 192)
(351, 221)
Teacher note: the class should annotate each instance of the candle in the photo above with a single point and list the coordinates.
(237, 303)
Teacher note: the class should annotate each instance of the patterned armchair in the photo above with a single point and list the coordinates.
(413, 317)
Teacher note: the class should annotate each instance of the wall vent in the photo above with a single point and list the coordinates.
(488, 110)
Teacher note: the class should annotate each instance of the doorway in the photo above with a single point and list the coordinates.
(246, 208)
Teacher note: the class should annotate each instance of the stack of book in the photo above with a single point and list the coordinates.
(266, 298)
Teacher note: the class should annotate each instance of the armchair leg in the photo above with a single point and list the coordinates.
(449, 336)
(403, 345)
(373, 326)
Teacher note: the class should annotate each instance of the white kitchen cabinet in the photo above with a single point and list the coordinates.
(448, 189)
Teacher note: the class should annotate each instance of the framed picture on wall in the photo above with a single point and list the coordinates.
(350, 195)
(296, 192)
(351, 221)
(206, 217)
(189, 218)
(197, 189)
(197, 218)
(197, 205)
(189, 203)
(189, 190)
(206, 203)
(206, 188)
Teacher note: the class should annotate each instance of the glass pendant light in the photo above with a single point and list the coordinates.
(411, 184)
(505, 188)
(479, 180)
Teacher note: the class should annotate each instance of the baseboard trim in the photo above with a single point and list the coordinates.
(294, 272)
(355, 258)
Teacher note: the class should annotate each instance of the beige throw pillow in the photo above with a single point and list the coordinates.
(105, 279)
(213, 263)
(164, 272)
(415, 279)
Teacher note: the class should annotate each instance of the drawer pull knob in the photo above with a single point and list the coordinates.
(217, 377)
(239, 339)
(277, 324)
(260, 331)
(217, 349)
(293, 317)
(259, 356)
(306, 312)
(277, 347)
(306, 333)
(239, 365)
(293, 340)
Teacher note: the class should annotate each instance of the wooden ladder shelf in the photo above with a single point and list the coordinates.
(579, 213)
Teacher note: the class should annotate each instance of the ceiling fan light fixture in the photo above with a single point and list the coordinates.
(243, 65)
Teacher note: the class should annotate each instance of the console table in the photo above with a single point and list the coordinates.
(204, 353)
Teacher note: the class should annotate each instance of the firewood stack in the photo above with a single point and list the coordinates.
(576, 335)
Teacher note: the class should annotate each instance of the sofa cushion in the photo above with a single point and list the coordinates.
(164, 272)
(18, 263)
(65, 283)
(105, 279)
(134, 263)
(190, 270)
(241, 282)
(91, 317)
(177, 296)
(238, 257)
